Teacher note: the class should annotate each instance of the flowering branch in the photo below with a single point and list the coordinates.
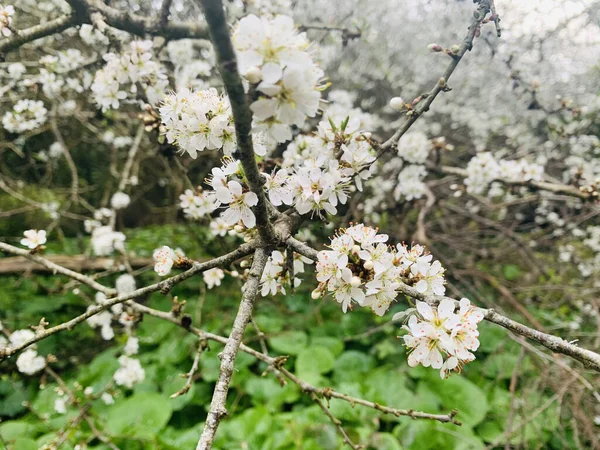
(122, 20)
(242, 115)
(586, 357)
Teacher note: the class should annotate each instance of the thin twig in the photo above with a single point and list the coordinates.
(190, 375)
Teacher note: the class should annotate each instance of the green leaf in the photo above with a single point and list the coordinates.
(314, 360)
(459, 393)
(142, 416)
(25, 444)
(352, 365)
(289, 343)
(385, 441)
(511, 271)
(334, 345)
(16, 428)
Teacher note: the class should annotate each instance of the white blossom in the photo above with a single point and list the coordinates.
(164, 258)
(29, 362)
(33, 238)
(212, 277)
(130, 373)
(120, 200)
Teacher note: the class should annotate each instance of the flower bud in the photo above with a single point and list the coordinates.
(235, 273)
(244, 264)
(397, 103)
(455, 49)
(355, 249)
(254, 75)
(238, 229)
(434, 48)
(355, 282)
(369, 265)
(315, 294)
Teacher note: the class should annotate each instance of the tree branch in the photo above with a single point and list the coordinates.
(277, 363)
(123, 20)
(55, 268)
(556, 188)
(423, 106)
(242, 115)
(217, 406)
(586, 357)
(164, 286)
(37, 32)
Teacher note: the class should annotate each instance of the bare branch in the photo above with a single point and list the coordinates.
(423, 106)
(277, 363)
(556, 188)
(163, 286)
(217, 406)
(55, 268)
(123, 20)
(37, 32)
(190, 375)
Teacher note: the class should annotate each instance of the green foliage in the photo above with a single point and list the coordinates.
(262, 414)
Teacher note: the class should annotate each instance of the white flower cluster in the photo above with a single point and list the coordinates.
(484, 168)
(34, 238)
(442, 338)
(198, 121)
(276, 276)
(6, 13)
(105, 239)
(135, 67)
(228, 190)
(120, 200)
(273, 56)
(316, 179)
(58, 73)
(130, 373)
(125, 284)
(103, 319)
(413, 148)
(26, 115)
(196, 205)
(361, 268)
(28, 362)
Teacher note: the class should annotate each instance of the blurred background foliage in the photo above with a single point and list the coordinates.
(326, 348)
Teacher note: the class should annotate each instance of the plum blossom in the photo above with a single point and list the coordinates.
(6, 13)
(164, 259)
(441, 337)
(273, 56)
(29, 362)
(120, 200)
(212, 277)
(130, 373)
(34, 238)
(361, 268)
(239, 203)
(26, 115)
(198, 120)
